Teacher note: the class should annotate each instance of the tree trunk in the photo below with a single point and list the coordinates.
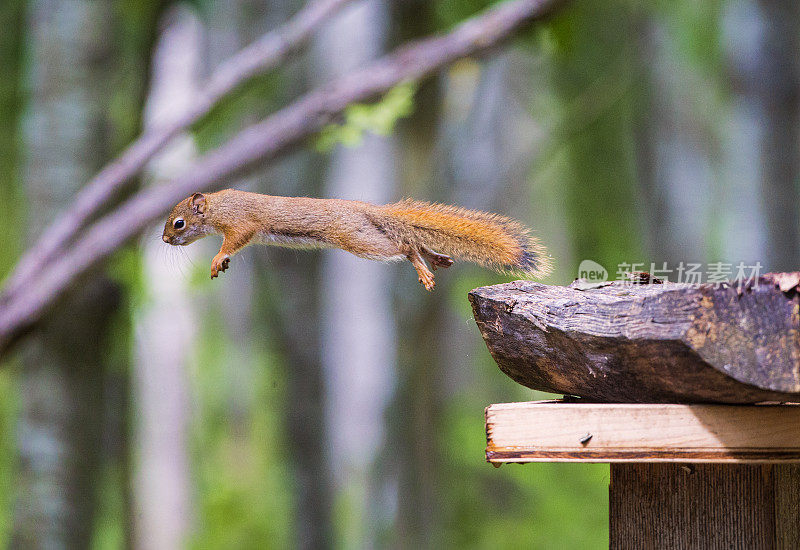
(294, 315)
(63, 375)
(166, 321)
(416, 413)
(293, 312)
(358, 342)
(778, 90)
(232, 25)
(12, 18)
(674, 154)
(599, 177)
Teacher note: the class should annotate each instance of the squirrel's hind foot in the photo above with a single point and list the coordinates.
(425, 274)
(436, 259)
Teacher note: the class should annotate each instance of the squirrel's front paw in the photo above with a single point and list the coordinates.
(219, 263)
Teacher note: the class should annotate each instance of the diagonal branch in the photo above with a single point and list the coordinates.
(266, 53)
(261, 142)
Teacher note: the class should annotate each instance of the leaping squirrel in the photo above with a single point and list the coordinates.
(408, 229)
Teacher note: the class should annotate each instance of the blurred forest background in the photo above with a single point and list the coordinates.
(313, 399)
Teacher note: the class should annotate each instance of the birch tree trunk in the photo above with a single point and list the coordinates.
(358, 338)
(762, 40)
(62, 379)
(743, 213)
(166, 322)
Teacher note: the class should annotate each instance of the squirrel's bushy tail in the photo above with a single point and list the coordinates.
(487, 239)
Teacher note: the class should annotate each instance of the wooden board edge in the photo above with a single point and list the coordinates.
(789, 456)
(771, 452)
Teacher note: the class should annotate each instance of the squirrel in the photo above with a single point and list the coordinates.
(413, 230)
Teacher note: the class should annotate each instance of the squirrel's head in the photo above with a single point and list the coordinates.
(186, 223)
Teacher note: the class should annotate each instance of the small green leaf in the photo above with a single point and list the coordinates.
(379, 118)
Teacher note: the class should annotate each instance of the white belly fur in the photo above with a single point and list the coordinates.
(290, 242)
(271, 239)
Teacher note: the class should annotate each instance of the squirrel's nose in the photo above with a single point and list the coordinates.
(165, 238)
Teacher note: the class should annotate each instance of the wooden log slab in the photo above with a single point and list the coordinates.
(670, 342)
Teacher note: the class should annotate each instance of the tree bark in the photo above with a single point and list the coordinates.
(64, 367)
(778, 89)
(648, 343)
(674, 152)
(293, 314)
(358, 332)
(597, 142)
(232, 24)
(12, 18)
(415, 418)
(166, 321)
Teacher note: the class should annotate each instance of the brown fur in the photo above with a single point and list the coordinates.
(408, 229)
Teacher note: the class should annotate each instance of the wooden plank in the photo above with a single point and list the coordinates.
(704, 506)
(555, 431)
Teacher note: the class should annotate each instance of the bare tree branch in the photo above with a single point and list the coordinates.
(266, 53)
(263, 141)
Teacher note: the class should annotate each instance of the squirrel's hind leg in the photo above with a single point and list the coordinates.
(425, 274)
(436, 259)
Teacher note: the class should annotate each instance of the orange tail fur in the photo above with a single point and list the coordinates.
(487, 239)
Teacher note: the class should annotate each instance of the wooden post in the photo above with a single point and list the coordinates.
(682, 476)
(673, 505)
(693, 475)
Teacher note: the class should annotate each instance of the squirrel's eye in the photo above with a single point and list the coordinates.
(178, 223)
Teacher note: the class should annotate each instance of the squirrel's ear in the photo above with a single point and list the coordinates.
(198, 203)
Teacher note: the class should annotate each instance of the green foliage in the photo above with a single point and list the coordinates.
(696, 30)
(109, 531)
(516, 506)
(450, 13)
(253, 100)
(11, 59)
(241, 471)
(379, 118)
(9, 412)
(594, 73)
